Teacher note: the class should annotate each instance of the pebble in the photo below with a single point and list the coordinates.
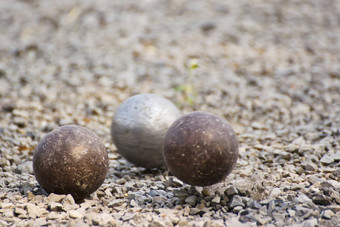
(302, 198)
(271, 206)
(26, 167)
(335, 195)
(321, 200)
(133, 203)
(236, 201)
(159, 199)
(128, 216)
(236, 209)
(326, 159)
(33, 210)
(311, 167)
(231, 190)
(55, 198)
(53, 206)
(19, 211)
(116, 202)
(275, 192)
(75, 214)
(279, 217)
(68, 200)
(191, 200)
(216, 199)
(291, 213)
(255, 205)
(327, 214)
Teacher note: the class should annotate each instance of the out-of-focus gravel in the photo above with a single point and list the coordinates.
(271, 67)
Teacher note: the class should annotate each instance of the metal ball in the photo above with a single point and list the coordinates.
(70, 160)
(200, 148)
(139, 126)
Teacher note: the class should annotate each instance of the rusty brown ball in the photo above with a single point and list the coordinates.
(71, 160)
(200, 148)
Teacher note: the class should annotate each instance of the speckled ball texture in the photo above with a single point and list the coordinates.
(70, 160)
(200, 148)
(139, 126)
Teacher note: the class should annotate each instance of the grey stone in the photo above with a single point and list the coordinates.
(335, 195)
(271, 206)
(236, 201)
(291, 213)
(275, 192)
(336, 156)
(336, 173)
(255, 205)
(141, 199)
(279, 217)
(231, 190)
(133, 203)
(311, 167)
(181, 193)
(160, 199)
(310, 223)
(300, 211)
(322, 200)
(327, 214)
(295, 187)
(216, 199)
(302, 198)
(116, 202)
(263, 220)
(326, 159)
(194, 211)
(191, 200)
(25, 167)
(314, 179)
(128, 216)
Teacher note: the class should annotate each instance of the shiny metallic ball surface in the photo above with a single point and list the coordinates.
(70, 160)
(139, 126)
(200, 148)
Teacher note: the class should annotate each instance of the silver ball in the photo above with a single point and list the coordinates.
(139, 127)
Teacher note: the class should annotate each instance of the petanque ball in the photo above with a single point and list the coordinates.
(70, 160)
(139, 126)
(200, 148)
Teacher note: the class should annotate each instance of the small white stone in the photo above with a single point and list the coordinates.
(328, 214)
(74, 214)
(275, 192)
(33, 210)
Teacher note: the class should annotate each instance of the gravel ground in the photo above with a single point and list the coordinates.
(272, 68)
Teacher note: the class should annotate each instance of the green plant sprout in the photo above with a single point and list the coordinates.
(188, 88)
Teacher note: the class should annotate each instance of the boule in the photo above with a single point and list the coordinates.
(200, 148)
(139, 126)
(70, 160)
